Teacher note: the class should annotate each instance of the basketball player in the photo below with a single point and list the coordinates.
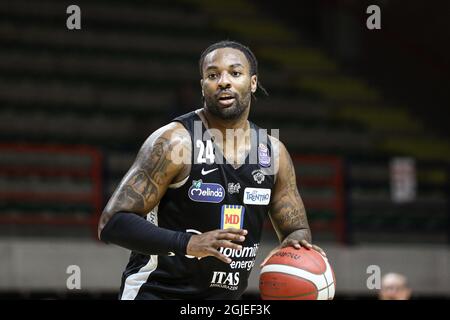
(191, 208)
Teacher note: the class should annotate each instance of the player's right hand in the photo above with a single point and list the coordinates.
(206, 244)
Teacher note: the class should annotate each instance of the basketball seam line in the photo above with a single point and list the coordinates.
(318, 290)
(326, 268)
(298, 295)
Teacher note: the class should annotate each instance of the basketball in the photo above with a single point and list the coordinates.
(297, 274)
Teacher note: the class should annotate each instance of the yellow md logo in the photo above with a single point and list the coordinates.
(232, 216)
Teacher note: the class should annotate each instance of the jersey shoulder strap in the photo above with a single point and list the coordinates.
(187, 120)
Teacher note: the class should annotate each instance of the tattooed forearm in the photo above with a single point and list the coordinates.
(287, 211)
(292, 180)
(289, 214)
(292, 218)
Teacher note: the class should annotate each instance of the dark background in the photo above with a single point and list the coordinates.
(75, 106)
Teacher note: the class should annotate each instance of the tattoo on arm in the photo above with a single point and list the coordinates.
(144, 184)
(136, 192)
(288, 213)
(143, 188)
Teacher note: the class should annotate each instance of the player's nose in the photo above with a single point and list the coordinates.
(224, 81)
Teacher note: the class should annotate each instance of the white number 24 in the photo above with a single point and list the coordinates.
(204, 155)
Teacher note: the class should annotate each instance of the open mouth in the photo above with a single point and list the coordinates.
(226, 100)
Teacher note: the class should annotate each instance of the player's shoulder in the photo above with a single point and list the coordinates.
(173, 132)
(168, 137)
(275, 142)
(277, 145)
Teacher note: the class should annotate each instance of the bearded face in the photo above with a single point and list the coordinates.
(227, 85)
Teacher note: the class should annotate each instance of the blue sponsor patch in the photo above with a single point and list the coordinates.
(206, 192)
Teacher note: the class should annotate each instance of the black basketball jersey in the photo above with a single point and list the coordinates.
(215, 195)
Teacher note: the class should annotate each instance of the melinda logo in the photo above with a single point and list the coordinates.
(206, 192)
(257, 196)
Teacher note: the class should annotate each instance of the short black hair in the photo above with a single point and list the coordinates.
(235, 45)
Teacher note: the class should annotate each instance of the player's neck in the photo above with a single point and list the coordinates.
(213, 122)
(235, 153)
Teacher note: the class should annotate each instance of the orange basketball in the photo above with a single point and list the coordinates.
(297, 274)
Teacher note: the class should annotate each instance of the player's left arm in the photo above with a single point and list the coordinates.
(287, 212)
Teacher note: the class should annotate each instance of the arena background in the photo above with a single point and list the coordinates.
(363, 113)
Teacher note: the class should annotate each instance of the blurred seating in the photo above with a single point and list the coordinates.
(115, 81)
(45, 185)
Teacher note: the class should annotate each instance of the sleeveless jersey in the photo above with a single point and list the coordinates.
(215, 195)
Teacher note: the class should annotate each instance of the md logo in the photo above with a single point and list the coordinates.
(232, 216)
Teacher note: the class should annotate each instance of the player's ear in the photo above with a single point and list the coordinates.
(254, 83)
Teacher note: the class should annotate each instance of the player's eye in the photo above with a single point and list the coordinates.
(236, 73)
(212, 76)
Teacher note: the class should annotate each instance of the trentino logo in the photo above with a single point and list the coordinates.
(257, 196)
(206, 192)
